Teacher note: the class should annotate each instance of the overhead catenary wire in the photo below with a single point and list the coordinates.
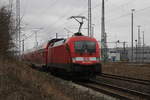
(64, 16)
(127, 14)
(124, 15)
(59, 23)
(61, 16)
(113, 19)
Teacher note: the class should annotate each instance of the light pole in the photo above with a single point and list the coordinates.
(143, 47)
(139, 43)
(136, 51)
(132, 11)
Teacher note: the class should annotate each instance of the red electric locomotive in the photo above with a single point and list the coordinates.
(77, 55)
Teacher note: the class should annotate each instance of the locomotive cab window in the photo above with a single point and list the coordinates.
(58, 43)
(85, 47)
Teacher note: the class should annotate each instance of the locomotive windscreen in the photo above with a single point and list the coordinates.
(85, 47)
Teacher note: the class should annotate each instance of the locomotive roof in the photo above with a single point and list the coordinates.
(55, 40)
(74, 38)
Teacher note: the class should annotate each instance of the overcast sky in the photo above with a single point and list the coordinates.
(52, 16)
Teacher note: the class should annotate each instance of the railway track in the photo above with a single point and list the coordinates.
(123, 78)
(124, 88)
(116, 91)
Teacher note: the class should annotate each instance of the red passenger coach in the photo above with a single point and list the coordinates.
(77, 55)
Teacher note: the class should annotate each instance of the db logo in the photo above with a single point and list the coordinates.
(86, 59)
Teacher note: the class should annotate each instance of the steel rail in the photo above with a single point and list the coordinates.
(94, 85)
(134, 92)
(124, 78)
(104, 91)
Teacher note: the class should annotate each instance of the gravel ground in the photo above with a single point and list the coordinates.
(141, 71)
(19, 82)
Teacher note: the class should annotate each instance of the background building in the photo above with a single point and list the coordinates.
(140, 54)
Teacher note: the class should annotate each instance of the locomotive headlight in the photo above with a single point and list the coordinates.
(77, 59)
(92, 58)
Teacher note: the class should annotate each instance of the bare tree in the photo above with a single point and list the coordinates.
(6, 33)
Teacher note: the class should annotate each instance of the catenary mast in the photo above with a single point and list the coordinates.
(89, 19)
(103, 34)
(18, 40)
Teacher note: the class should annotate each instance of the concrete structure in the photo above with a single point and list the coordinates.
(140, 54)
(113, 56)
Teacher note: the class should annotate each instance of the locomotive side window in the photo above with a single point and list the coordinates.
(85, 46)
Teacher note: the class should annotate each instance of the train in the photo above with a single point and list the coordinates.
(78, 55)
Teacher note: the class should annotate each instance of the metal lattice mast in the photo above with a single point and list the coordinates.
(103, 34)
(89, 19)
(18, 25)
